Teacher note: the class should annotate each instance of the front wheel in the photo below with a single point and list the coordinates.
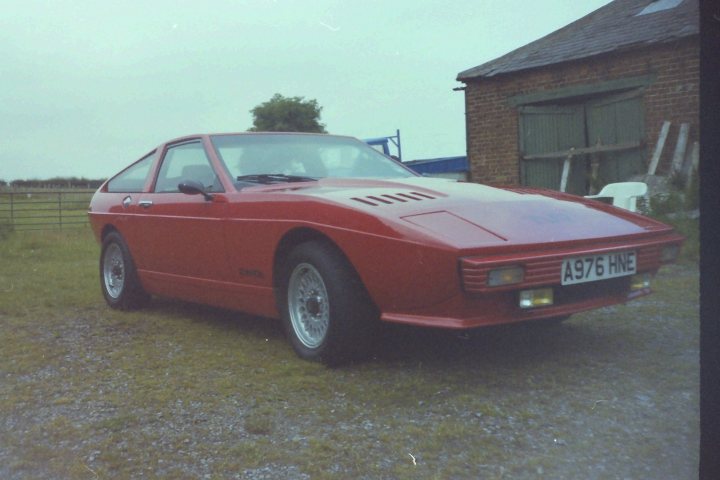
(118, 277)
(308, 306)
(326, 311)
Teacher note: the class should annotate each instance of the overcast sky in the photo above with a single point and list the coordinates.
(86, 87)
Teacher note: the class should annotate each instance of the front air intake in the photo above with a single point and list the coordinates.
(390, 199)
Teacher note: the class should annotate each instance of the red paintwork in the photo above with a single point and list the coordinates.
(410, 242)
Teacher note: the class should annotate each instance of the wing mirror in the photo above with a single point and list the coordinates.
(191, 187)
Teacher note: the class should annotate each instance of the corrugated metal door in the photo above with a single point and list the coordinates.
(613, 120)
(552, 128)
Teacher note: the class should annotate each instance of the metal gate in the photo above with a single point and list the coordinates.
(44, 209)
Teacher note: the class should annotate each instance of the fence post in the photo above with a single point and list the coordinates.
(60, 209)
(12, 209)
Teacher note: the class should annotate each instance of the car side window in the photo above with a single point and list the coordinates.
(183, 162)
(133, 178)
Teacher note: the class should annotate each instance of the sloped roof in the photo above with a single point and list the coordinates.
(618, 25)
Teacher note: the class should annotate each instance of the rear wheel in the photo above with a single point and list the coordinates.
(326, 311)
(118, 277)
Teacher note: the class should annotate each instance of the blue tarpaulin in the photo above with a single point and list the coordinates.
(439, 165)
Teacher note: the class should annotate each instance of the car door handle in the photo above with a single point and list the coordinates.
(145, 203)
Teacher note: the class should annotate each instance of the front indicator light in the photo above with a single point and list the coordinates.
(505, 276)
(640, 282)
(539, 297)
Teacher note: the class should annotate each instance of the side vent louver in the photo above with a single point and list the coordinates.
(387, 199)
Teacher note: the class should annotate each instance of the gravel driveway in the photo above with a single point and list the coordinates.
(181, 391)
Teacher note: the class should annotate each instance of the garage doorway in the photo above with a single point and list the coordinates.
(607, 131)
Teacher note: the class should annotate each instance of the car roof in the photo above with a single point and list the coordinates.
(207, 135)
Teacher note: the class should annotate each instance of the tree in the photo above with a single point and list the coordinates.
(287, 114)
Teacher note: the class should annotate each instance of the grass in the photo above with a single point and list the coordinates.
(183, 391)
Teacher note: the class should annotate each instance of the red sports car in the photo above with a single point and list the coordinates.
(331, 236)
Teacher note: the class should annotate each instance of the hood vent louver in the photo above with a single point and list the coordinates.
(388, 199)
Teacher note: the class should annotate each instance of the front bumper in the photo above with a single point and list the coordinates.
(481, 305)
(461, 312)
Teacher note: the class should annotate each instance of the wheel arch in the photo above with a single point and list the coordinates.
(300, 235)
(292, 239)
(107, 229)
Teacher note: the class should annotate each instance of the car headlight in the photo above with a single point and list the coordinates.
(505, 276)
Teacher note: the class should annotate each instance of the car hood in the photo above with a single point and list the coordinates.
(469, 215)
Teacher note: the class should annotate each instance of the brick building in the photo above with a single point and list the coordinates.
(604, 84)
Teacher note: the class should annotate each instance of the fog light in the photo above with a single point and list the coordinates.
(640, 282)
(505, 276)
(669, 253)
(540, 297)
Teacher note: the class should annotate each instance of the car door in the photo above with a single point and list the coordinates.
(182, 235)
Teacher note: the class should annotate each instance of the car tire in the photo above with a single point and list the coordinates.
(326, 311)
(118, 278)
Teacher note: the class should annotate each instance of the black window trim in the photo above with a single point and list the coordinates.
(180, 143)
(152, 155)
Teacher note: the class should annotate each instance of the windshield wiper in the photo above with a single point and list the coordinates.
(267, 178)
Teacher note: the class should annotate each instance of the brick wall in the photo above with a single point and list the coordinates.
(492, 129)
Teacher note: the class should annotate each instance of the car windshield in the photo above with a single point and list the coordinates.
(275, 158)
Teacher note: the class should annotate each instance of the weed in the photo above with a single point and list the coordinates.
(5, 229)
(259, 422)
(663, 204)
(692, 197)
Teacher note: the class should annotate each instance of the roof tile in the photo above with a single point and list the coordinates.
(616, 26)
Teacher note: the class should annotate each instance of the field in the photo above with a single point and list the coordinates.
(183, 391)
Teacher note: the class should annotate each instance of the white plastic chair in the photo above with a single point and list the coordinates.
(623, 194)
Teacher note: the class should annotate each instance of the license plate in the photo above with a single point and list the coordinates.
(592, 268)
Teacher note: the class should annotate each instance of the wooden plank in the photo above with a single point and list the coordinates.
(585, 150)
(659, 147)
(680, 147)
(694, 162)
(565, 173)
(582, 90)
